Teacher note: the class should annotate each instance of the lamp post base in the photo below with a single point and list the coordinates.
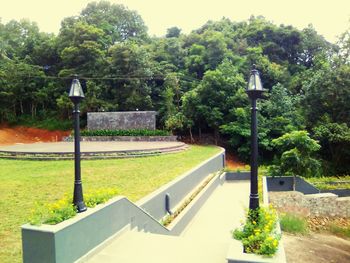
(253, 201)
(78, 199)
(81, 207)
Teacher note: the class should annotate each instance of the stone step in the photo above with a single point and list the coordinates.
(90, 155)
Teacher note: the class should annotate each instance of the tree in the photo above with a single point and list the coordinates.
(195, 62)
(131, 63)
(117, 22)
(281, 112)
(215, 94)
(189, 108)
(335, 141)
(344, 47)
(173, 32)
(170, 105)
(326, 108)
(81, 49)
(295, 157)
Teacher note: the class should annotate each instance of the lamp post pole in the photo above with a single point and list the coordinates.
(254, 195)
(76, 95)
(254, 91)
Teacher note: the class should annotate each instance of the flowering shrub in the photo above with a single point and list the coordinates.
(258, 234)
(99, 196)
(64, 209)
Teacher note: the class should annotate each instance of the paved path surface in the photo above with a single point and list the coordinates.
(222, 212)
(68, 147)
(205, 240)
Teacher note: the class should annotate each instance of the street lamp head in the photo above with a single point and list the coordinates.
(255, 87)
(76, 93)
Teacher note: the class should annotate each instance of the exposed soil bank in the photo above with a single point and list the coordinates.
(21, 134)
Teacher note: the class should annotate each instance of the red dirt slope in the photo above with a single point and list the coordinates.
(232, 162)
(20, 134)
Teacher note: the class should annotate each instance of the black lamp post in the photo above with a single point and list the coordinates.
(76, 95)
(254, 91)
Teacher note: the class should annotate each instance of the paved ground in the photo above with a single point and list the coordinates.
(316, 248)
(221, 213)
(205, 240)
(68, 147)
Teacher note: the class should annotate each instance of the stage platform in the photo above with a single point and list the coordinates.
(89, 150)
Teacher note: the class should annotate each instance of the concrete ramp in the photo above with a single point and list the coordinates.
(138, 247)
(206, 238)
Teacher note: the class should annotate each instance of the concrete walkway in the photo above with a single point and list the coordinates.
(206, 238)
(221, 213)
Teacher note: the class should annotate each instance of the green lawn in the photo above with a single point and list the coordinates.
(23, 183)
(330, 182)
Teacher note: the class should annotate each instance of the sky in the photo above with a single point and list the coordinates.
(329, 18)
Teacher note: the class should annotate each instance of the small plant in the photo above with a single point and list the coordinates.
(258, 234)
(64, 209)
(293, 223)
(99, 196)
(343, 231)
(125, 133)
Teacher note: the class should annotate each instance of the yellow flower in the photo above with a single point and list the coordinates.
(254, 223)
(275, 243)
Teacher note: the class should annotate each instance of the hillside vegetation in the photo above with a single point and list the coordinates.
(196, 81)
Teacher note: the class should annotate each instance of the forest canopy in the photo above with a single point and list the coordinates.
(196, 81)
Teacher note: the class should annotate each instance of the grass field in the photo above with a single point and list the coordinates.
(330, 182)
(23, 183)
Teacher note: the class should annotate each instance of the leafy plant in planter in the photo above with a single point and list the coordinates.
(258, 234)
(63, 209)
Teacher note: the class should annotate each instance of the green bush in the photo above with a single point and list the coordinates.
(293, 224)
(64, 209)
(258, 234)
(125, 133)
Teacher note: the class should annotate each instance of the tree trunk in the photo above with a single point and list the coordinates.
(294, 182)
(200, 134)
(216, 136)
(33, 109)
(191, 136)
(21, 106)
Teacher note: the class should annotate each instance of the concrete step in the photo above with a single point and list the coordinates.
(90, 155)
(136, 247)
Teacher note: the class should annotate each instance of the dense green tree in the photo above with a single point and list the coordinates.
(117, 22)
(335, 141)
(215, 94)
(296, 156)
(131, 63)
(173, 32)
(81, 49)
